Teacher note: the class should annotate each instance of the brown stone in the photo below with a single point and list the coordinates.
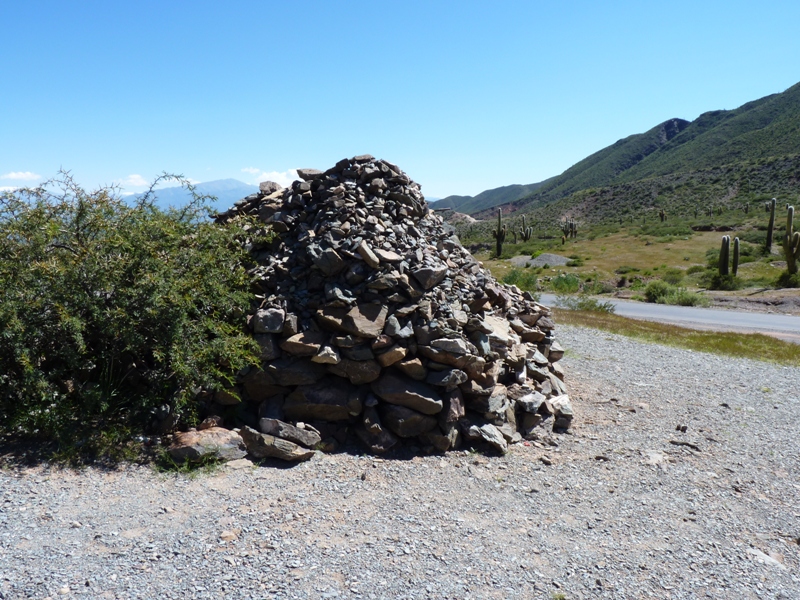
(413, 368)
(358, 372)
(392, 355)
(214, 443)
(365, 320)
(306, 343)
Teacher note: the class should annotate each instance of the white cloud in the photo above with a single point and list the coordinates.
(284, 178)
(21, 175)
(134, 181)
(8, 188)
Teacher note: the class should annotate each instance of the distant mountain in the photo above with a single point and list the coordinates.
(759, 130)
(487, 199)
(227, 191)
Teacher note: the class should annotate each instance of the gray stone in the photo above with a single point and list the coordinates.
(329, 399)
(396, 389)
(449, 378)
(530, 403)
(327, 355)
(309, 174)
(556, 352)
(268, 320)
(269, 187)
(269, 346)
(295, 371)
(286, 431)
(262, 445)
(406, 422)
(490, 434)
(329, 262)
(430, 276)
(493, 404)
(358, 372)
(373, 434)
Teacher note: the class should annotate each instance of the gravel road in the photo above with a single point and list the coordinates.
(623, 507)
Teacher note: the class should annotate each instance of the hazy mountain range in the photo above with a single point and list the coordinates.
(226, 191)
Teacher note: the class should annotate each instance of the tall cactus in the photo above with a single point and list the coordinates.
(526, 232)
(724, 253)
(791, 243)
(735, 265)
(771, 224)
(662, 214)
(499, 233)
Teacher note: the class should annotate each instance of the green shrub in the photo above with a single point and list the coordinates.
(566, 283)
(656, 290)
(714, 281)
(524, 279)
(113, 313)
(786, 280)
(683, 297)
(624, 270)
(695, 269)
(584, 303)
(662, 293)
(672, 276)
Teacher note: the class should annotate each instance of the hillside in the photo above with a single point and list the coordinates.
(487, 199)
(732, 140)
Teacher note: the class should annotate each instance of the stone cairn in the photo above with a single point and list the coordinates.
(374, 320)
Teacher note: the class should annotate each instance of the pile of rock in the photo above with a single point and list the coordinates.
(374, 320)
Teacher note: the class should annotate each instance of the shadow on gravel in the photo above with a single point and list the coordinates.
(18, 453)
(26, 453)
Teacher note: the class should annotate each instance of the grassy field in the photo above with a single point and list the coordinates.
(630, 256)
(753, 346)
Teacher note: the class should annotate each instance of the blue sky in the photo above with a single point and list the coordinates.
(464, 96)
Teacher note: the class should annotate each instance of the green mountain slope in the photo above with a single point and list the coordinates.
(488, 198)
(759, 130)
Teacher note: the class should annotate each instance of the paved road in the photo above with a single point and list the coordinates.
(785, 327)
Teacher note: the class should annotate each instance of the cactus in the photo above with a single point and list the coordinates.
(735, 265)
(514, 233)
(747, 208)
(695, 212)
(500, 233)
(791, 243)
(724, 253)
(526, 233)
(662, 215)
(563, 239)
(771, 224)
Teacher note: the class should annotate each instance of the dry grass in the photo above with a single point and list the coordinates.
(753, 345)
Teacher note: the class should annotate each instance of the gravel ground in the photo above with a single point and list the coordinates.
(616, 509)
